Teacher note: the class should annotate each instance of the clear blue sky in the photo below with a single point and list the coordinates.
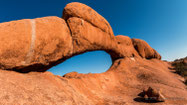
(162, 23)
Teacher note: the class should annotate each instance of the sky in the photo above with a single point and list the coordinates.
(161, 23)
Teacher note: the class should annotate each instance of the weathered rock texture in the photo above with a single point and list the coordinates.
(118, 86)
(86, 37)
(125, 46)
(37, 44)
(15, 41)
(90, 31)
(33, 43)
(144, 50)
(86, 13)
(152, 95)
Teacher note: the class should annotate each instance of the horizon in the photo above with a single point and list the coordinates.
(161, 23)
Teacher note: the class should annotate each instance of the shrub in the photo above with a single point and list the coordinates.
(185, 82)
(180, 68)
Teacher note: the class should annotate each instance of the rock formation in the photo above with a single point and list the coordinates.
(38, 44)
(125, 46)
(86, 13)
(33, 43)
(151, 94)
(44, 42)
(144, 50)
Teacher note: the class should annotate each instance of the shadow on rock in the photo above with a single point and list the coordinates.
(140, 99)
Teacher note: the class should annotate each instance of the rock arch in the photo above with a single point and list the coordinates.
(89, 62)
(81, 29)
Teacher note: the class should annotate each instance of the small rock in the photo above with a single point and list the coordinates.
(152, 95)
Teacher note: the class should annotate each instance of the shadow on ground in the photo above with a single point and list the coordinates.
(140, 99)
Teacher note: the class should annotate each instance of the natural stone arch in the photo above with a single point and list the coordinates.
(88, 62)
(38, 44)
(53, 43)
(39, 67)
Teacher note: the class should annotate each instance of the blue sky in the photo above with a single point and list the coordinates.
(161, 23)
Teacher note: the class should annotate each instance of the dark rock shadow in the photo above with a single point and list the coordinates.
(171, 68)
(143, 100)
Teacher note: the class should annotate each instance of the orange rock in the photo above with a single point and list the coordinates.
(33, 42)
(86, 37)
(15, 40)
(156, 54)
(86, 13)
(53, 40)
(144, 49)
(126, 46)
(152, 94)
(73, 75)
(115, 87)
(38, 44)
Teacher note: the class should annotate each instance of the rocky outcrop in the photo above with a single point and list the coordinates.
(74, 75)
(86, 13)
(86, 37)
(118, 86)
(125, 46)
(15, 41)
(152, 94)
(34, 43)
(38, 44)
(90, 31)
(144, 50)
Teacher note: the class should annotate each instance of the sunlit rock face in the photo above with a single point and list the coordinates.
(86, 13)
(38, 44)
(144, 50)
(33, 43)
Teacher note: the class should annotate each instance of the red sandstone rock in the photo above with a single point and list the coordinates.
(53, 40)
(119, 85)
(152, 94)
(156, 54)
(86, 13)
(73, 75)
(15, 40)
(126, 46)
(144, 49)
(33, 42)
(38, 43)
(86, 37)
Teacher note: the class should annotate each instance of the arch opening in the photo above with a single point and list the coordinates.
(88, 62)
